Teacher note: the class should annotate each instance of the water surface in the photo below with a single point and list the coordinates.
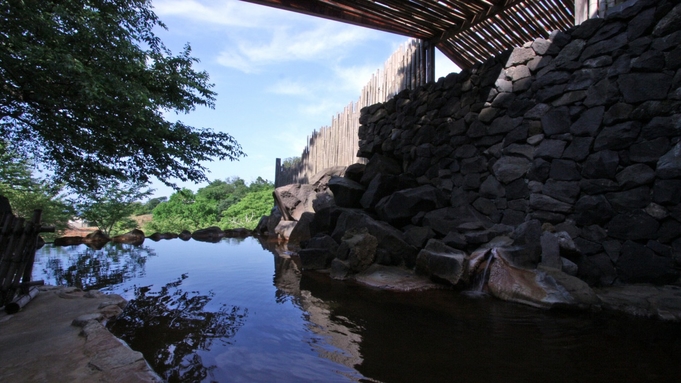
(235, 311)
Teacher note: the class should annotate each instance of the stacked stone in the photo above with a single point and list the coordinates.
(577, 134)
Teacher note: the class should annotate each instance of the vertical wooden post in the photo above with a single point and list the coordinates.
(277, 171)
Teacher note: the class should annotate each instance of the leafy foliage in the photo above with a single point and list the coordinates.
(27, 193)
(85, 88)
(148, 207)
(247, 212)
(228, 204)
(110, 207)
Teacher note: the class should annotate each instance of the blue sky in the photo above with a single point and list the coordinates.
(279, 75)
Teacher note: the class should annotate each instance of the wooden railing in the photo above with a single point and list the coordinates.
(337, 145)
(18, 242)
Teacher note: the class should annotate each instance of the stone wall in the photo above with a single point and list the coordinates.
(578, 134)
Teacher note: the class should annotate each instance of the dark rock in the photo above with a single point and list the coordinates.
(539, 170)
(659, 249)
(441, 261)
(587, 28)
(669, 230)
(491, 188)
(612, 249)
(526, 151)
(605, 46)
(593, 210)
(598, 186)
(380, 164)
(355, 172)
(389, 238)
(619, 136)
(635, 175)
(546, 203)
(602, 164)
(669, 165)
(508, 168)
(564, 170)
(667, 126)
(578, 149)
(640, 23)
(604, 268)
(463, 217)
(346, 192)
(315, 258)
(588, 122)
(557, 121)
(649, 151)
(186, 235)
(527, 244)
(503, 124)
(135, 237)
(550, 251)
(517, 189)
(650, 61)
(357, 249)
(636, 198)
(455, 239)
(633, 225)
(667, 192)
(210, 234)
(638, 264)
(398, 208)
(587, 247)
(671, 22)
(379, 187)
(564, 191)
(638, 87)
(417, 236)
(617, 113)
(340, 269)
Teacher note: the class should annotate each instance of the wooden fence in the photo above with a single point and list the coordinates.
(410, 66)
(18, 242)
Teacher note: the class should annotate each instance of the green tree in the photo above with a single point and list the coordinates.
(85, 86)
(110, 207)
(183, 211)
(148, 207)
(27, 193)
(247, 212)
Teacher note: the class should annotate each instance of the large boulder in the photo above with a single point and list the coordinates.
(389, 238)
(399, 208)
(134, 237)
(293, 200)
(209, 234)
(358, 249)
(541, 287)
(441, 262)
(346, 192)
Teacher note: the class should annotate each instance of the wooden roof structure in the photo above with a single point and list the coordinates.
(466, 31)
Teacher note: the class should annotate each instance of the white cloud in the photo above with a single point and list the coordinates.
(288, 87)
(320, 41)
(219, 12)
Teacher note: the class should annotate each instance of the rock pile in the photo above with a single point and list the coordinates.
(566, 152)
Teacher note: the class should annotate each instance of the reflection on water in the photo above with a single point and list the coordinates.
(170, 325)
(243, 311)
(88, 268)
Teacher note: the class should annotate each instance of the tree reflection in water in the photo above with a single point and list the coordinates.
(169, 326)
(96, 269)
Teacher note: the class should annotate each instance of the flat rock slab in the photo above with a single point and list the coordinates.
(395, 279)
(41, 344)
(662, 302)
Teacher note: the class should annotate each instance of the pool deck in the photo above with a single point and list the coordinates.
(60, 337)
